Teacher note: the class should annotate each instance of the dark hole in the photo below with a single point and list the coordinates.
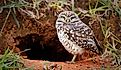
(53, 51)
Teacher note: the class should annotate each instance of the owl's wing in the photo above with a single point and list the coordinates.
(83, 36)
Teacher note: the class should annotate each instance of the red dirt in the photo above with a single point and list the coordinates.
(79, 65)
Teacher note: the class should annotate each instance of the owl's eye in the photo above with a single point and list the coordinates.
(60, 21)
(73, 17)
(62, 17)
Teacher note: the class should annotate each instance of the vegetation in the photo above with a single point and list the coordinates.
(11, 61)
(97, 12)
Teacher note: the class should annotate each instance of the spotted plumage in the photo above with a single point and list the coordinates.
(74, 35)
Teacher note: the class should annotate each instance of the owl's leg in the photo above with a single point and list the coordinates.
(73, 60)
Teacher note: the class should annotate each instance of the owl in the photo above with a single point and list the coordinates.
(75, 36)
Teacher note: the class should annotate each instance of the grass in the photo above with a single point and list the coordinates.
(12, 10)
(110, 41)
(12, 6)
(21, 6)
(12, 61)
(58, 5)
(95, 9)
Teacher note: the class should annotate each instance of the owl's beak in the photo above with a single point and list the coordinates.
(67, 20)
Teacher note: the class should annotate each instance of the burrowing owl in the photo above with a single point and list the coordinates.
(75, 35)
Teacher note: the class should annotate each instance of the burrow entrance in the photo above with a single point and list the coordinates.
(38, 50)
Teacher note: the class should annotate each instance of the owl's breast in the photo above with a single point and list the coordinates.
(69, 42)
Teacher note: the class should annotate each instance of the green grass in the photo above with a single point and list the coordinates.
(110, 40)
(12, 61)
(12, 6)
(58, 5)
(22, 7)
(97, 9)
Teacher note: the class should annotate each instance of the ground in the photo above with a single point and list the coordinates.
(40, 38)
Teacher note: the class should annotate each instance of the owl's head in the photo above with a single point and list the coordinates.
(67, 17)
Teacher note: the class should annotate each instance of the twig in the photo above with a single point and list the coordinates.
(5, 21)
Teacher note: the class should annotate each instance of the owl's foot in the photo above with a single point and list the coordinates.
(72, 61)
